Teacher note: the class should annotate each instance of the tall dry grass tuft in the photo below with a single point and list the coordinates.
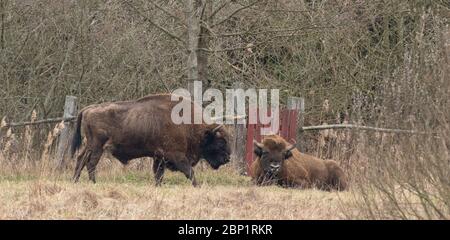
(408, 176)
(28, 140)
(3, 123)
(9, 137)
(45, 163)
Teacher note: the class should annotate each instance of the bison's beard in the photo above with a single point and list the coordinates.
(215, 166)
(215, 163)
(217, 160)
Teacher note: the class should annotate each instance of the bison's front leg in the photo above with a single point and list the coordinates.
(189, 173)
(182, 164)
(158, 170)
(185, 167)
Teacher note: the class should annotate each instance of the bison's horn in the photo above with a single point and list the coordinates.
(229, 117)
(217, 128)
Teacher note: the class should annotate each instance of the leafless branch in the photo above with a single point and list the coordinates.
(274, 31)
(181, 21)
(162, 80)
(236, 12)
(218, 9)
(154, 24)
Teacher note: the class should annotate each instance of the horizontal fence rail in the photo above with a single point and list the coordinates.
(361, 127)
(306, 128)
(50, 120)
(241, 151)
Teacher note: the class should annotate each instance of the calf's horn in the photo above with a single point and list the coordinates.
(290, 148)
(260, 145)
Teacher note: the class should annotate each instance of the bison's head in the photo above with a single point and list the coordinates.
(215, 148)
(272, 155)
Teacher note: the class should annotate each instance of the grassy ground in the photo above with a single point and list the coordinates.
(129, 194)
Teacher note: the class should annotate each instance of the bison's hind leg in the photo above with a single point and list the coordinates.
(92, 162)
(336, 177)
(81, 162)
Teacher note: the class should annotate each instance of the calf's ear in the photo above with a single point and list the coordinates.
(257, 148)
(287, 154)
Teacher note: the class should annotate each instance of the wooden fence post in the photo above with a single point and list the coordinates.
(298, 103)
(70, 110)
(240, 136)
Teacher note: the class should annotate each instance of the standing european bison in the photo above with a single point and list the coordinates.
(279, 162)
(143, 128)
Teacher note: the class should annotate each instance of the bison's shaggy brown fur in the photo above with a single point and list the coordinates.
(277, 164)
(144, 128)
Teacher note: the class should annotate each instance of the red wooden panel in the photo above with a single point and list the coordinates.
(282, 119)
(268, 125)
(280, 128)
(249, 146)
(258, 128)
(292, 135)
(284, 123)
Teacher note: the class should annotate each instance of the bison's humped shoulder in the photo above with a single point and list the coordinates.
(153, 97)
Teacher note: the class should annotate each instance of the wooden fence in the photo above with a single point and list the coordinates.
(291, 122)
(70, 112)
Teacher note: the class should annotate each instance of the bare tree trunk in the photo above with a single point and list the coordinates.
(203, 43)
(2, 30)
(193, 30)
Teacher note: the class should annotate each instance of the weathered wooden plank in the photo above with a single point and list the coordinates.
(70, 110)
(297, 103)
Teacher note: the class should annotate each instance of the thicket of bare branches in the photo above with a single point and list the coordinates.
(349, 52)
(381, 63)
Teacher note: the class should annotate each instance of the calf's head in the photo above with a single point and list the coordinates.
(272, 155)
(215, 148)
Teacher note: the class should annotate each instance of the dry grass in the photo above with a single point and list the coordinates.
(133, 196)
(377, 63)
(128, 192)
(378, 190)
(396, 178)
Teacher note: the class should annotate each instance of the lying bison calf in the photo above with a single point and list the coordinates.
(279, 162)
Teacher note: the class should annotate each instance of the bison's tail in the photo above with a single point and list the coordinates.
(336, 177)
(76, 139)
